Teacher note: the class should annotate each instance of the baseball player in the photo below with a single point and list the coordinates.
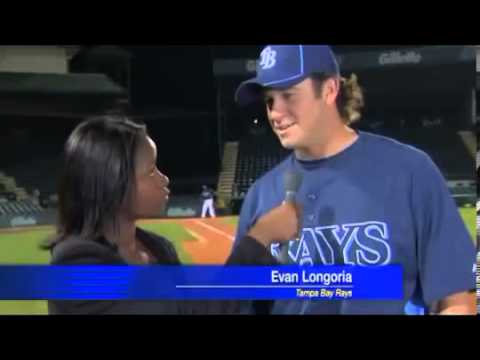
(367, 200)
(207, 196)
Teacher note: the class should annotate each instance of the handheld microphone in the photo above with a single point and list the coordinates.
(291, 182)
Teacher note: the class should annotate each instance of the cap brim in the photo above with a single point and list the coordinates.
(248, 92)
(251, 91)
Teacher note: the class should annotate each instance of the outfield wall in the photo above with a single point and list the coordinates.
(47, 217)
(189, 206)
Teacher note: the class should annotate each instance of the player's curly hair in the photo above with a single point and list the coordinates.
(350, 99)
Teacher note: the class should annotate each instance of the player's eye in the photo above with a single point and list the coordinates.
(269, 102)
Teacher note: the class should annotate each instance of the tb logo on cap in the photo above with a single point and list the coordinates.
(268, 58)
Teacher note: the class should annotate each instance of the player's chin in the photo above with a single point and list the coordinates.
(288, 144)
(290, 140)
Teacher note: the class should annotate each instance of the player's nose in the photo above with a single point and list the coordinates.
(277, 111)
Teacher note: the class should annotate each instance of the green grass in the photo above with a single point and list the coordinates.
(231, 220)
(23, 307)
(23, 248)
(469, 217)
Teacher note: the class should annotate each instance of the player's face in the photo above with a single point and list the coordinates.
(152, 191)
(295, 114)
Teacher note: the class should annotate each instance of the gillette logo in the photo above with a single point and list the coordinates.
(397, 57)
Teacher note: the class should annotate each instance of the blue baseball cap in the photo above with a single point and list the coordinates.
(283, 66)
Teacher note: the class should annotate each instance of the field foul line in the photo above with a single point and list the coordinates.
(214, 229)
(200, 238)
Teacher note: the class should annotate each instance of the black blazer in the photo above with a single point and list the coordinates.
(101, 252)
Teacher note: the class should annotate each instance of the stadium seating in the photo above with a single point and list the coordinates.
(36, 166)
(256, 155)
(31, 167)
(21, 207)
(445, 147)
(38, 174)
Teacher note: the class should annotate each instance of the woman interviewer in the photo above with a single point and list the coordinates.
(110, 180)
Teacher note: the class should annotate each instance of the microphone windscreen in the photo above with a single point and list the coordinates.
(292, 181)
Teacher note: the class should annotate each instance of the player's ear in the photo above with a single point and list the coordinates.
(331, 88)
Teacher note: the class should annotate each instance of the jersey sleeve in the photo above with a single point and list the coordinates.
(445, 250)
(247, 214)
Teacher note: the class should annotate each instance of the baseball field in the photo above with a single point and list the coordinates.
(204, 241)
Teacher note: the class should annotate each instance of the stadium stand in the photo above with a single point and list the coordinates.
(256, 155)
(444, 146)
(14, 200)
(35, 165)
(21, 207)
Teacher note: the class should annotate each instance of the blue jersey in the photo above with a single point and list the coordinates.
(207, 194)
(377, 202)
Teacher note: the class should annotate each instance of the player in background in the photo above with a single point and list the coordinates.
(208, 203)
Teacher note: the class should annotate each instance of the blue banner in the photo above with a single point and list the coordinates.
(200, 282)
